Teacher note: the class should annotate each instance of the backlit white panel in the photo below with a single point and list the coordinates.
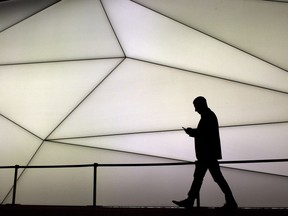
(174, 145)
(68, 30)
(149, 36)
(6, 178)
(258, 27)
(249, 188)
(17, 147)
(63, 154)
(238, 143)
(143, 186)
(15, 11)
(259, 141)
(136, 186)
(56, 187)
(256, 142)
(145, 97)
(126, 187)
(74, 186)
(111, 111)
(40, 96)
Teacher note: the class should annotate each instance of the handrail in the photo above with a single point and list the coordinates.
(145, 164)
(96, 165)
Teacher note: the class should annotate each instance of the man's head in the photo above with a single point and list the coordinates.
(200, 104)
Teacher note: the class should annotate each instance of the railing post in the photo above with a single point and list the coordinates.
(15, 184)
(95, 166)
(198, 200)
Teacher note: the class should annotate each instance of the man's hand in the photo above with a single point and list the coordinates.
(189, 131)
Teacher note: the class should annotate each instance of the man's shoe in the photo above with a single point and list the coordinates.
(187, 203)
(230, 206)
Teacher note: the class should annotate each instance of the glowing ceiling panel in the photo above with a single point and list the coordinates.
(56, 191)
(17, 147)
(120, 185)
(112, 81)
(67, 30)
(257, 142)
(238, 143)
(162, 40)
(13, 12)
(160, 98)
(173, 145)
(248, 25)
(40, 96)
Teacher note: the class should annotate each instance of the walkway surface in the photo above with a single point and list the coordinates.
(23, 210)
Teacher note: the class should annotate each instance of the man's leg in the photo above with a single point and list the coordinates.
(216, 173)
(199, 173)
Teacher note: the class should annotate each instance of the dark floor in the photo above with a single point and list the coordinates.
(129, 211)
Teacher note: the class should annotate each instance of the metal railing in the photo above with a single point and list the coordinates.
(95, 167)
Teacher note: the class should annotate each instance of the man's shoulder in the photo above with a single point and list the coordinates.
(209, 112)
(210, 116)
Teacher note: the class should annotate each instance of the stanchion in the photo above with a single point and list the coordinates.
(15, 184)
(95, 166)
(198, 200)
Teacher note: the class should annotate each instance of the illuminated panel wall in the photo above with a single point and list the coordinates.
(113, 81)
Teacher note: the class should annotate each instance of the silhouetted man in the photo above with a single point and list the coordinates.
(208, 152)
